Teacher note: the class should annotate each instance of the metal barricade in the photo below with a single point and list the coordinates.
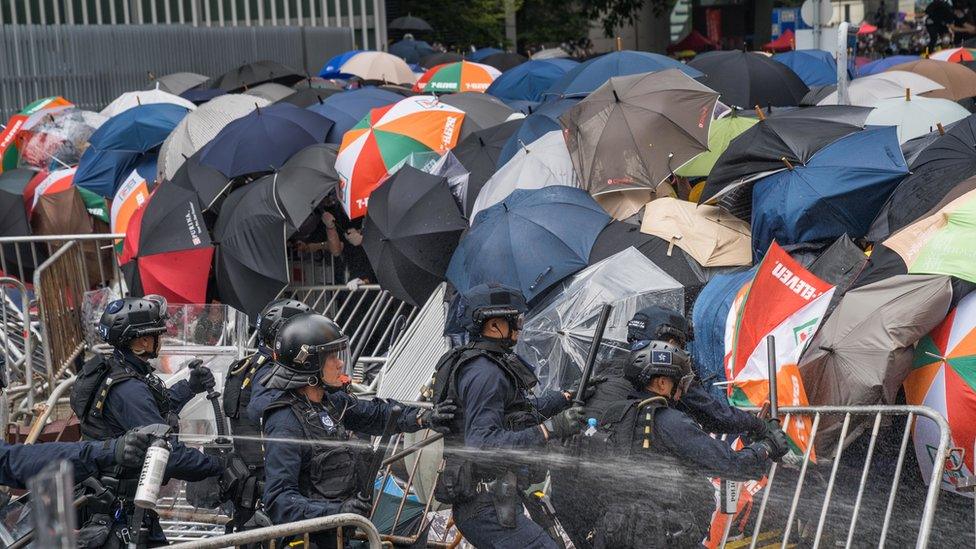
(60, 293)
(302, 527)
(17, 339)
(21, 255)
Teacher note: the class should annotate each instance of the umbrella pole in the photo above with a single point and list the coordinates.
(771, 361)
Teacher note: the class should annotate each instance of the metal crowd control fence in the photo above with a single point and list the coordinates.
(302, 527)
(60, 292)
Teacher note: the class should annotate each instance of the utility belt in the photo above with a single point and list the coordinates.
(108, 514)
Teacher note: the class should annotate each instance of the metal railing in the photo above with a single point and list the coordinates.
(302, 527)
(20, 256)
(17, 338)
(60, 294)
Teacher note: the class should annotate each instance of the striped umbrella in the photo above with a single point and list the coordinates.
(132, 194)
(384, 138)
(15, 132)
(462, 76)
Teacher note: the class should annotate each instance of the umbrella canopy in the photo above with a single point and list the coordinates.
(461, 76)
(529, 80)
(410, 50)
(530, 241)
(306, 97)
(942, 378)
(958, 81)
(385, 137)
(480, 53)
(550, 53)
(58, 207)
(915, 116)
(479, 153)
(709, 235)
(59, 139)
(331, 67)
(410, 23)
(721, 132)
(379, 66)
(200, 127)
(481, 111)
(124, 142)
(814, 67)
(178, 82)
(795, 135)
(252, 74)
(746, 79)
(592, 74)
(270, 91)
(13, 185)
(199, 96)
(837, 192)
(633, 131)
(558, 332)
(542, 121)
(320, 157)
(542, 163)
(871, 90)
(952, 55)
(347, 108)
(410, 232)
(504, 61)
(263, 140)
(130, 100)
(133, 193)
(883, 64)
(11, 138)
(440, 58)
(167, 250)
(209, 185)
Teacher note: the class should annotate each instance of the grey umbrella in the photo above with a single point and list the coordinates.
(481, 111)
(177, 82)
(272, 91)
(633, 131)
(410, 23)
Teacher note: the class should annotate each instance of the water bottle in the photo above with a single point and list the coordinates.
(590, 427)
(151, 478)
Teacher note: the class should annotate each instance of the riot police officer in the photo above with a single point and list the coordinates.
(120, 392)
(305, 481)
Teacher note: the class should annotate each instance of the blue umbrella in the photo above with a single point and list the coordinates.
(331, 67)
(124, 142)
(540, 122)
(411, 50)
(480, 54)
(522, 106)
(530, 79)
(264, 139)
(199, 97)
(840, 190)
(590, 75)
(531, 240)
(347, 108)
(814, 67)
(882, 65)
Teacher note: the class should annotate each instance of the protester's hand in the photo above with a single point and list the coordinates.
(567, 423)
(356, 506)
(130, 448)
(329, 220)
(353, 284)
(438, 418)
(201, 379)
(301, 246)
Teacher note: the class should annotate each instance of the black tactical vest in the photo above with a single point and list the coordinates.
(237, 395)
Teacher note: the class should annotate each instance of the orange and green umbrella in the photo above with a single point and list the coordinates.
(132, 194)
(387, 136)
(461, 76)
(16, 131)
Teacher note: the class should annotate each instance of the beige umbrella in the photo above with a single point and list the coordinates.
(622, 205)
(959, 81)
(380, 66)
(714, 237)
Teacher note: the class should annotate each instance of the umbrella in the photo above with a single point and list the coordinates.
(167, 250)
(871, 90)
(199, 127)
(26, 118)
(529, 80)
(320, 157)
(440, 58)
(251, 74)
(709, 318)
(401, 90)
(709, 235)
(411, 230)
(132, 194)
(199, 96)
(129, 100)
(347, 108)
(837, 192)
(481, 111)
(795, 135)
(958, 81)
(306, 97)
(817, 94)
(316, 83)
(14, 222)
(59, 139)
(58, 207)
(883, 64)
(558, 331)
(178, 82)
(331, 67)
(592, 74)
(479, 153)
(410, 50)
(410, 23)
(542, 163)
(378, 66)
(550, 53)
(207, 183)
(462, 76)
(914, 147)
(952, 55)
(814, 67)
(915, 116)
(270, 91)
(385, 137)
(263, 140)
(633, 131)
(480, 53)
(124, 142)
(942, 378)
(504, 61)
(542, 121)
(746, 79)
(721, 132)
(530, 241)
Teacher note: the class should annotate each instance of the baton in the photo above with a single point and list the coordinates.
(771, 361)
(601, 327)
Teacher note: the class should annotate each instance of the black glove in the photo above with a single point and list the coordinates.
(439, 417)
(590, 390)
(201, 378)
(775, 444)
(567, 423)
(356, 506)
(130, 449)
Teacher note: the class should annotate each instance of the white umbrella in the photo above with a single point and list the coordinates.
(379, 65)
(130, 100)
(915, 116)
(199, 127)
(542, 163)
(550, 53)
(870, 90)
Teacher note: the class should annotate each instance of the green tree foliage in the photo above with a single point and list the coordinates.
(550, 22)
(613, 14)
(461, 23)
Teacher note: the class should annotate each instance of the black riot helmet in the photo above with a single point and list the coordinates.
(133, 317)
(273, 315)
(658, 323)
(650, 359)
(301, 346)
(487, 301)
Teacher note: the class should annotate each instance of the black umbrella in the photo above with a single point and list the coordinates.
(747, 79)
(839, 265)
(400, 90)
(209, 184)
(301, 189)
(504, 60)
(817, 94)
(410, 23)
(320, 157)
(481, 110)
(791, 135)
(411, 230)
(252, 74)
(306, 97)
(479, 153)
(947, 161)
(435, 59)
(316, 82)
(13, 221)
